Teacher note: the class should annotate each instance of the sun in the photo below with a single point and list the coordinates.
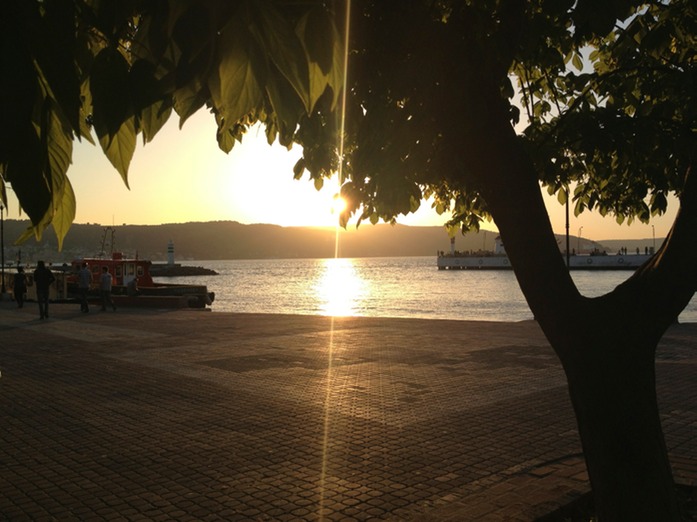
(338, 204)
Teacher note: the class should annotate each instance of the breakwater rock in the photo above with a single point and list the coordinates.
(178, 270)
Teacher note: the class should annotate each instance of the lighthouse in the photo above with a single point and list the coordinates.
(170, 253)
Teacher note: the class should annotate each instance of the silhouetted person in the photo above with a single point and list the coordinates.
(84, 280)
(105, 289)
(132, 287)
(19, 286)
(42, 279)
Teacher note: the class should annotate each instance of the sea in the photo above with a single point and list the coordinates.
(409, 287)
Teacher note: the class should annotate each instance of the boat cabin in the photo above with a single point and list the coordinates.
(122, 270)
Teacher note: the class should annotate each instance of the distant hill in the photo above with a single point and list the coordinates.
(233, 240)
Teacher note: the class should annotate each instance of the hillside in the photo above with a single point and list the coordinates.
(233, 240)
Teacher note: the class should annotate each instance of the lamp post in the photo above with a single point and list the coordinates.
(578, 241)
(568, 254)
(653, 232)
(2, 251)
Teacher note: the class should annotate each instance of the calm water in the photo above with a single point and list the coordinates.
(379, 287)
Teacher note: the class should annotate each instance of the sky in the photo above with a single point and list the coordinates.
(183, 176)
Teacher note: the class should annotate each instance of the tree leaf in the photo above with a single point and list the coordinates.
(226, 141)
(659, 203)
(299, 168)
(287, 107)
(64, 207)
(239, 89)
(276, 36)
(59, 144)
(154, 117)
(54, 48)
(86, 113)
(144, 88)
(31, 231)
(55, 45)
(120, 147)
(25, 173)
(325, 52)
(109, 86)
(188, 100)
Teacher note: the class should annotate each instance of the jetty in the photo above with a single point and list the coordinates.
(498, 260)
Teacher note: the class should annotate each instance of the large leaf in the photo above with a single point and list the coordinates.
(59, 148)
(187, 100)
(226, 141)
(235, 89)
(59, 145)
(54, 48)
(120, 147)
(154, 34)
(288, 108)
(152, 106)
(194, 33)
(60, 214)
(25, 173)
(144, 88)
(47, 168)
(154, 117)
(86, 113)
(325, 54)
(276, 36)
(109, 86)
(316, 31)
(31, 231)
(64, 207)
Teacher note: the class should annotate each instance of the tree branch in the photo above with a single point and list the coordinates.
(669, 280)
(510, 187)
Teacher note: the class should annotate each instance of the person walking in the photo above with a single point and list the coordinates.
(105, 289)
(84, 280)
(43, 278)
(19, 286)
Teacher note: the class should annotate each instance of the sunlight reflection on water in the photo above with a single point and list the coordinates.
(340, 288)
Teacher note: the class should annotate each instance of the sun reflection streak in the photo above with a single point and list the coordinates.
(330, 356)
(340, 288)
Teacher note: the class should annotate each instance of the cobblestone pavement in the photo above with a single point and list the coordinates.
(189, 415)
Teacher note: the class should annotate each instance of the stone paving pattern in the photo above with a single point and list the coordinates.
(191, 415)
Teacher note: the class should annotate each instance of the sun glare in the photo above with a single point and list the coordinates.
(338, 205)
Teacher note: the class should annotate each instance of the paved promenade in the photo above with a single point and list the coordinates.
(191, 415)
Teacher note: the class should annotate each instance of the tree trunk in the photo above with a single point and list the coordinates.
(606, 345)
(612, 389)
